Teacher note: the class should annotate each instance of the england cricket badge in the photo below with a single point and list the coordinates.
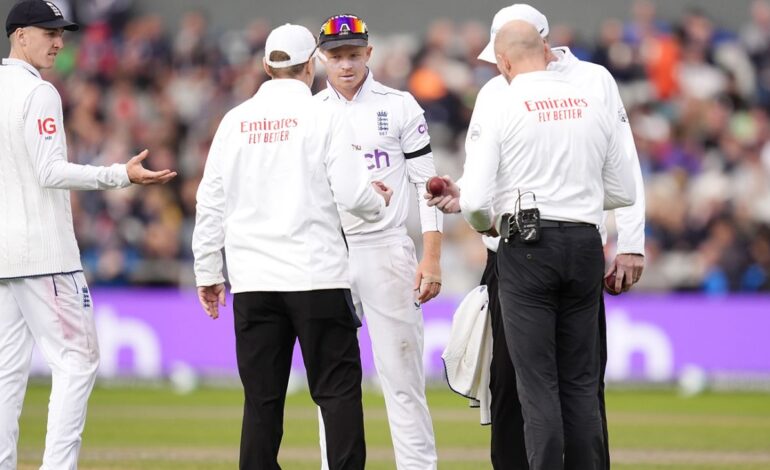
(382, 122)
(86, 297)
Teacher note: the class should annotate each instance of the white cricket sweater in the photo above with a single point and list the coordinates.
(36, 231)
(392, 140)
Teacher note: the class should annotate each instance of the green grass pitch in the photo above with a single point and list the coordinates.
(154, 428)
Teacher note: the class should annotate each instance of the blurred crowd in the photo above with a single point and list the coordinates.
(697, 96)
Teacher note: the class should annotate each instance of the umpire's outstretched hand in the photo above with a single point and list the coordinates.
(138, 174)
(449, 202)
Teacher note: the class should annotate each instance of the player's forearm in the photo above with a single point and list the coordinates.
(431, 219)
(60, 174)
(419, 170)
(431, 243)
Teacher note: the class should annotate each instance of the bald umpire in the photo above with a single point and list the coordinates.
(545, 162)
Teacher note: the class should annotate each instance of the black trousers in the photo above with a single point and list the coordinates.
(550, 297)
(508, 451)
(266, 327)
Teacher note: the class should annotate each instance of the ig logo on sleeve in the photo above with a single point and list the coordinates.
(46, 126)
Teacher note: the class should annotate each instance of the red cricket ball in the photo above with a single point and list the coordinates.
(436, 186)
(609, 285)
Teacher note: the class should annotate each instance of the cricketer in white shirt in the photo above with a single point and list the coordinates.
(392, 141)
(387, 285)
(42, 285)
(44, 297)
(38, 236)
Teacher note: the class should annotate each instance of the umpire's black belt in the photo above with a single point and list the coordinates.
(508, 225)
(560, 224)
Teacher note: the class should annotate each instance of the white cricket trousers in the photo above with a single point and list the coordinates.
(382, 268)
(55, 312)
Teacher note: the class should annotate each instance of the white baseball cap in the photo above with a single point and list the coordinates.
(296, 41)
(517, 11)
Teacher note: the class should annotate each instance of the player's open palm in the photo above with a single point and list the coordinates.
(138, 174)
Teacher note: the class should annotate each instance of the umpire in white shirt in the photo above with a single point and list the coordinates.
(278, 167)
(628, 263)
(507, 436)
(44, 298)
(546, 154)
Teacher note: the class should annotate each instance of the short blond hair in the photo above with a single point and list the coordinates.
(284, 72)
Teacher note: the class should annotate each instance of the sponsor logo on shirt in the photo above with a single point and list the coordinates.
(378, 159)
(557, 109)
(268, 131)
(46, 126)
(382, 122)
(555, 103)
